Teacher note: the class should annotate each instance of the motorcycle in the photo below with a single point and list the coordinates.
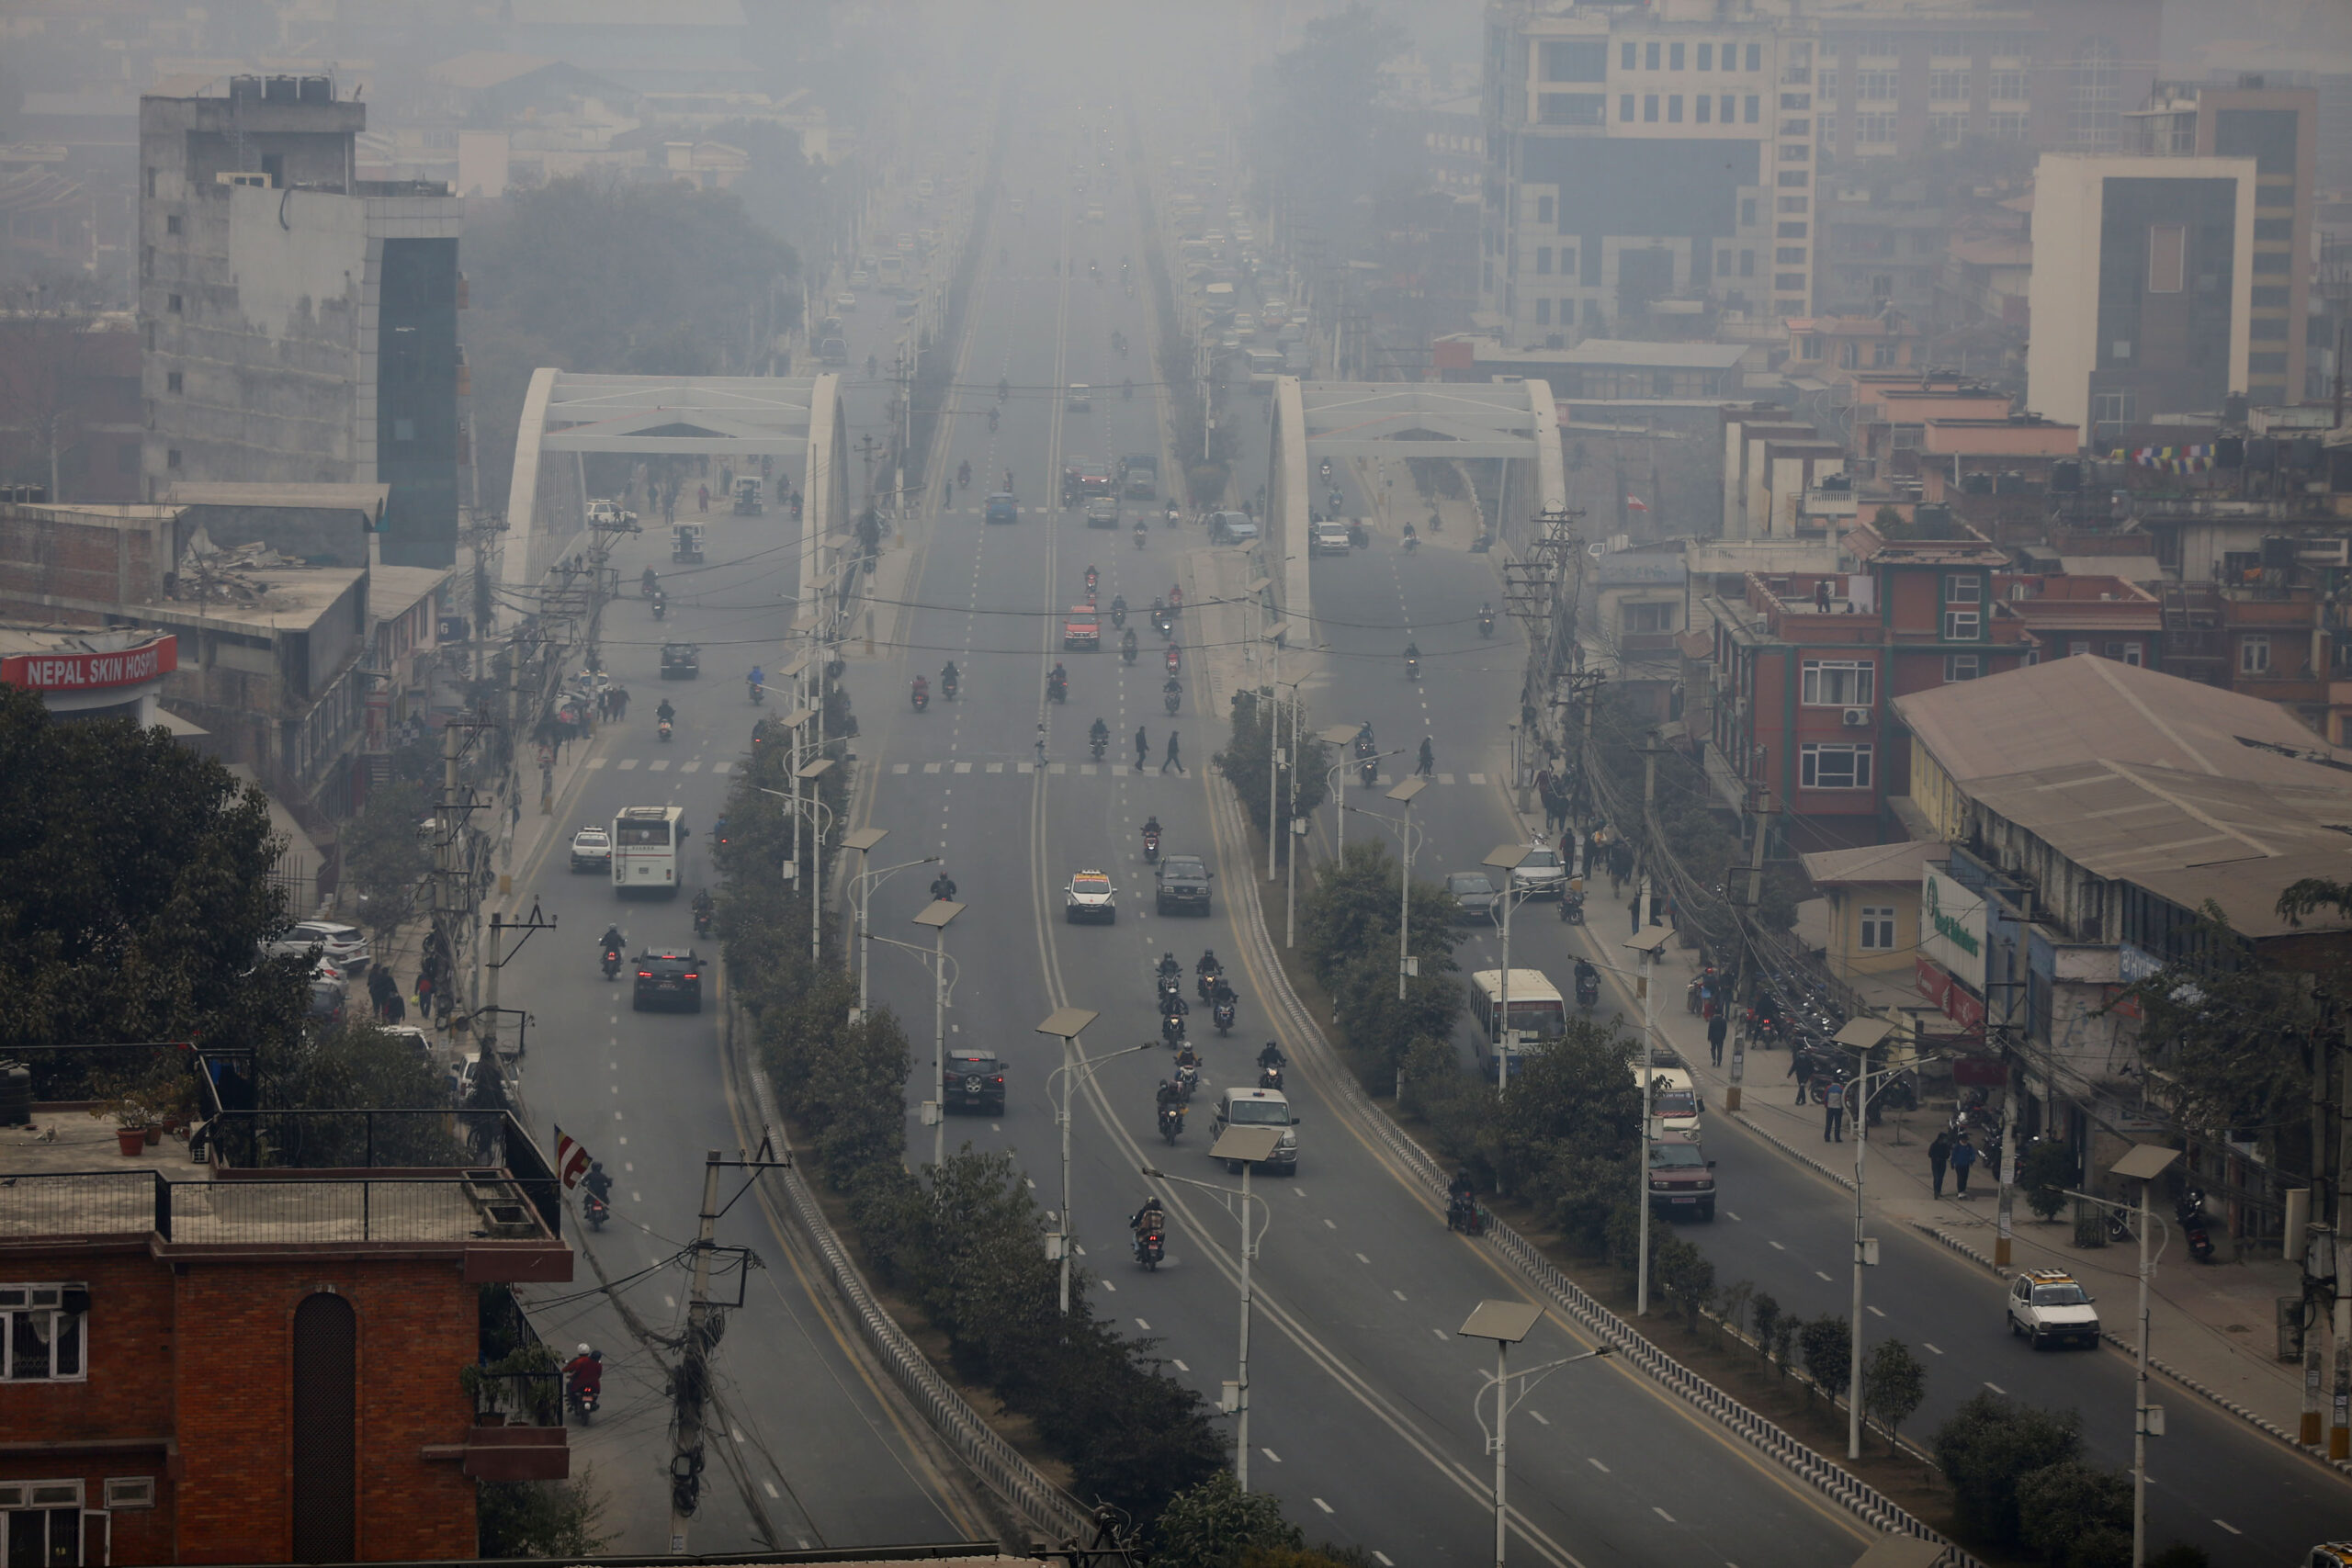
(1572, 908)
(1487, 623)
(611, 963)
(1057, 690)
(1151, 846)
(1221, 1013)
(759, 693)
(1588, 990)
(1127, 648)
(1118, 617)
(596, 1210)
(1463, 1214)
(1369, 772)
(1172, 700)
(1167, 988)
(1089, 579)
(661, 606)
(920, 696)
(1171, 515)
(1326, 470)
(648, 583)
(992, 422)
(2190, 1213)
(662, 730)
(1270, 1077)
(1142, 535)
(1096, 743)
(703, 920)
(1188, 1082)
(1148, 1243)
(1175, 658)
(1172, 1027)
(1206, 982)
(948, 686)
(1412, 666)
(1171, 1122)
(583, 1399)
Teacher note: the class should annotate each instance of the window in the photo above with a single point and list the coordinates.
(2114, 408)
(1755, 60)
(1706, 57)
(1796, 128)
(1962, 667)
(1876, 46)
(1576, 60)
(1625, 103)
(1834, 765)
(1882, 353)
(172, 459)
(1964, 591)
(2274, 228)
(1702, 108)
(40, 1331)
(1787, 281)
(1674, 108)
(1849, 355)
(1873, 130)
(1571, 109)
(1796, 100)
(1754, 109)
(2254, 654)
(2267, 329)
(1949, 86)
(172, 303)
(1657, 617)
(1625, 57)
(1878, 928)
(1649, 56)
(172, 382)
(2004, 127)
(171, 224)
(1787, 255)
(1797, 178)
(1650, 107)
(1795, 152)
(151, 185)
(1543, 210)
(1963, 625)
(40, 1523)
(2124, 653)
(2008, 86)
(1543, 261)
(1829, 86)
(130, 1491)
(1874, 87)
(1946, 129)
(1840, 682)
(2167, 257)
(2273, 261)
(1809, 347)
(2267, 298)
(1791, 204)
(1790, 231)
(1674, 57)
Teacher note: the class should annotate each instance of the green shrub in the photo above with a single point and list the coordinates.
(2076, 1515)
(1828, 1345)
(1987, 1448)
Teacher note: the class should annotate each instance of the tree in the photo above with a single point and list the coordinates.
(2048, 1168)
(134, 890)
(1894, 1382)
(1244, 761)
(1767, 1308)
(1990, 1445)
(540, 1518)
(2076, 1515)
(385, 857)
(1325, 128)
(1828, 1345)
(1213, 1525)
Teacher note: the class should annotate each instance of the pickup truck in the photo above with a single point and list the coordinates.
(1082, 628)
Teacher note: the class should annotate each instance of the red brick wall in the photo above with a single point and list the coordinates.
(207, 1355)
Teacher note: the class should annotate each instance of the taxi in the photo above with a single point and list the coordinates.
(2049, 1306)
(1082, 628)
(1090, 898)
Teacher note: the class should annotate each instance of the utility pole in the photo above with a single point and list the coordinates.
(691, 1383)
(2339, 1432)
(1763, 831)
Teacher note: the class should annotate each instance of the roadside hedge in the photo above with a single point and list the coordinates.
(965, 1243)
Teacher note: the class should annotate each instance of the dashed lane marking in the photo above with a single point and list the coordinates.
(931, 767)
(625, 764)
(659, 765)
(1932, 1348)
(897, 767)
(1996, 1388)
(1597, 1465)
(1661, 1512)
(963, 767)
(722, 767)
(1541, 1419)
(690, 767)
(596, 761)
(1322, 1505)
(1872, 1311)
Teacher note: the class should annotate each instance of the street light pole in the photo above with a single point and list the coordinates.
(1508, 1324)
(1403, 795)
(1339, 734)
(2142, 1163)
(1645, 941)
(1506, 858)
(1066, 1024)
(936, 915)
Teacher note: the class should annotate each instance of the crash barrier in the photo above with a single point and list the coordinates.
(1859, 1497)
(1056, 1515)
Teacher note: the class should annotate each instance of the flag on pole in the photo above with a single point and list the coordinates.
(571, 1160)
(1637, 504)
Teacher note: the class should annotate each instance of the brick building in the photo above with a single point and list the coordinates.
(214, 1365)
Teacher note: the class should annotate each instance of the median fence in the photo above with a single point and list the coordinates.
(1860, 1499)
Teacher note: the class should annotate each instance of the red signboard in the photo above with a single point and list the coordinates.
(92, 671)
(1958, 1004)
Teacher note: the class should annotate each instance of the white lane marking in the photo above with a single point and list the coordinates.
(1028, 767)
(1272, 1455)
(1729, 1214)
(931, 767)
(1142, 1325)
(1477, 778)
(737, 1432)
(1329, 1225)
(996, 767)
(1932, 1348)
(1440, 1332)
(1057, 768)
(1661, 1512)
(2229, 1527)
(690, 767)
(616, 1115)
(625, 764)
(1362, 1258)
(1398, 1294)
(596, 761)
(722, 767)
(1996, 1388)
(1108, 1286)
(1088, 769)
(1179, 1366)
(659, 765)
(1597, 1465)
(1776, 1246)
(670, 1301)
(897, 767)
(1322, 1505)
(1872, 1311)
(1445, 778)
(1382, 1558)
(1819, 1274)
(1541, 1419)
(963, 767)
(771, 1485)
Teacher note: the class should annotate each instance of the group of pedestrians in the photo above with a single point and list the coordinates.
(1173, 759)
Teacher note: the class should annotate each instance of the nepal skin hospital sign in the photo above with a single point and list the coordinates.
(72, 672)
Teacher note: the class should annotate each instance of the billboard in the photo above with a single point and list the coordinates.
(1952, 927)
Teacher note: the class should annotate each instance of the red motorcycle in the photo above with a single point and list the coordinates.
(1174, 659)
(920, 694)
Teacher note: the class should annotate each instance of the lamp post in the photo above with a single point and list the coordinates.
(1403, 795)
(866, 881)
(1339, 734)
(1066, 1024)
(1859, 1036)
(936, 915)
(2142, 1163)
(1273, 636)
(1508, 1324)
(1246, 1147)
(1505, 859)
(810, 772)
(1645, 941)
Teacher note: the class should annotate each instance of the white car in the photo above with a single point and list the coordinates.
(342, 947)
(1541, 874)
(844, 303)
(1232, 528)
(592, 849)
(2049, 1306)
(1091, 897)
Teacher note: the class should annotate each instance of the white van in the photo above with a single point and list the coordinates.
(1238, 1107)
(1675, 1099)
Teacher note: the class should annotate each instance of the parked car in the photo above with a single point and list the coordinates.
(1232, 528)
(592, 849)
(343, 947)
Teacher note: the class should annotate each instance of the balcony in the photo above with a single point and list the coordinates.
(516, 1387)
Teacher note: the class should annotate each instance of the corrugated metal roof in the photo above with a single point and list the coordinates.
(368, 499)
(1876, 864)
(2079, 710)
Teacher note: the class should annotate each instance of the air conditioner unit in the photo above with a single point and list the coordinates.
(2323, 552)
(1857, 718)
(238, 177)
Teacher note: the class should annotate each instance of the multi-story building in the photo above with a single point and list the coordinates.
(2142, 293)
(299, 324)
(212, 1363)
(2278, 129)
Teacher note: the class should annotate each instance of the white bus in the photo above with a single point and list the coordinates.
(647, 840)
(1537, 1010)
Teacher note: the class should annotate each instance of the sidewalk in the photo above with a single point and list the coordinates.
(2211, 1326)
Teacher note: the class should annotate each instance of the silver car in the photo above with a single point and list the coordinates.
(1542, 874)
(341, 945)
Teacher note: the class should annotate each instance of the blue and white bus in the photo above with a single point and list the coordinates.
(647, 841)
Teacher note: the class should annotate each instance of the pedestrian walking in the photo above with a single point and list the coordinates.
(1718, 1026)
(1964, 1160)
(1633, 912)
(1939, 1155)
(1801, 1068)
(1833, 1101)
(1427, 767)
(1143, 747)
(620, 702)
(702, 498)
(1171, 759)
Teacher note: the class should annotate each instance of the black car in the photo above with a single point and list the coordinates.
(1139, 476)
(681, 662)
(1183, 885)
(1474, 894)
(668, 980)
(972, 1080)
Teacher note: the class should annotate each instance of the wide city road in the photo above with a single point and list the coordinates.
(1361, 1394)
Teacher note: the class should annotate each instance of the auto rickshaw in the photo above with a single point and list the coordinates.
(685, 544)
(747, 496)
